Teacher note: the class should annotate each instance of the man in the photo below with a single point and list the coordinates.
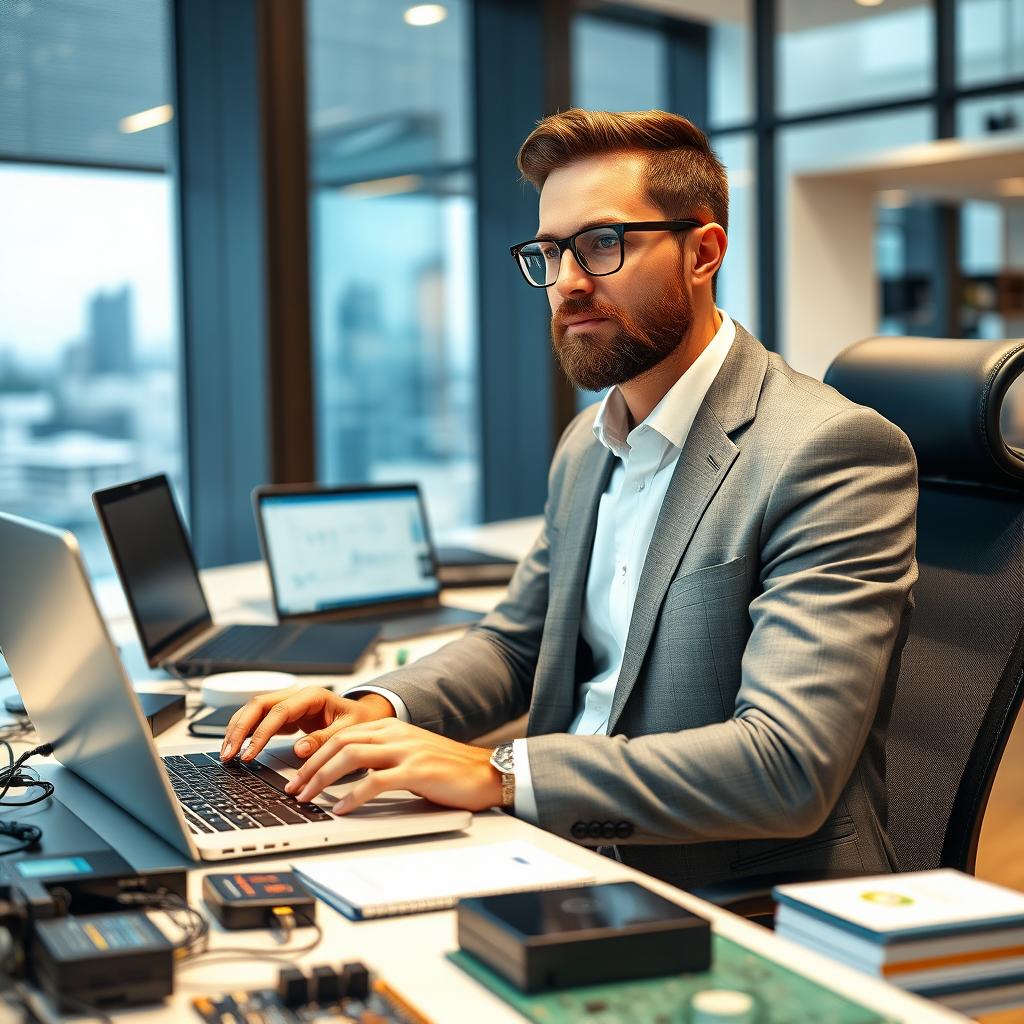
(706, 632)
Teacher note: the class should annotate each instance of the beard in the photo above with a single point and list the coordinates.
(642, 337)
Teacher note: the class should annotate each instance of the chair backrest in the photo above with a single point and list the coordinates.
(961, 677)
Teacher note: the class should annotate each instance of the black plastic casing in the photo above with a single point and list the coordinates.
(590, 935)
(246, 899)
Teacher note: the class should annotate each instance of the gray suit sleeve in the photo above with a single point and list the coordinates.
(837, 564)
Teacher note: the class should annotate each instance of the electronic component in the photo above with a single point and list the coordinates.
(103, 960)
(256, 899)
(775, 994)
(561, 938)
(325, 993)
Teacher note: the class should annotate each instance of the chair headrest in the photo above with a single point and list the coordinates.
(946, 395)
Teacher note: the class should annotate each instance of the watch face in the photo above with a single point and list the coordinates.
(502, 758)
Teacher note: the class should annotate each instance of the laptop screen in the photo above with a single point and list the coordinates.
(336, 549)
(154, 560)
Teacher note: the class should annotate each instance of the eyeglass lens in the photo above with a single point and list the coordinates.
(599, 251)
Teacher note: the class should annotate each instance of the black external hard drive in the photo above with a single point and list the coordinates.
(594, 934)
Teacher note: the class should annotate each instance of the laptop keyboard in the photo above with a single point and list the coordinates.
(219, 797)
(245, 643)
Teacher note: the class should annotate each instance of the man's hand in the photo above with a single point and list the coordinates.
(314, 710)
(402, 756)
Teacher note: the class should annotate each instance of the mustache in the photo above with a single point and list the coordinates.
(579, 307)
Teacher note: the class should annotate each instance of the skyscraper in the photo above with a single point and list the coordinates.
(109, 339)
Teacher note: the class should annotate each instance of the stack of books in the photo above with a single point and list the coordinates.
(943, 934)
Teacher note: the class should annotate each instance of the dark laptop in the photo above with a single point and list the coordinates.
(154, 560)
(359, 553)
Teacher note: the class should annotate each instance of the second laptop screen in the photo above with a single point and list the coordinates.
(337, 550)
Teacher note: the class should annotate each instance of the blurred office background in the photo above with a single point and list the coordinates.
(252, 240)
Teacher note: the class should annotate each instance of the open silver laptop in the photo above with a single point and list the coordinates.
(354, 553)
(80, 700)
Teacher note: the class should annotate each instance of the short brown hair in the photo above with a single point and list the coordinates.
(684, 178)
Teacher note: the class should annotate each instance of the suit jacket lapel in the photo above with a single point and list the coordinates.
(555, 682)
(707, 455)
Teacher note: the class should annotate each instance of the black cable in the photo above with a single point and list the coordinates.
(13, 776)
(190, 685)
(194, 943)
(26, 835)
(286, 957)
(16, 730)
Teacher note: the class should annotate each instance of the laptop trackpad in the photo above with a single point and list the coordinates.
(281, 757)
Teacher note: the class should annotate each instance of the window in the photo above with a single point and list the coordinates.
(737, 282)
(731, 56)
(991, 115)
(834, 53)
(989, 41)
(393, 264)
(602, 48)
(89, 341)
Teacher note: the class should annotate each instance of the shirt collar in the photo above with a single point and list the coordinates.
(673, 416)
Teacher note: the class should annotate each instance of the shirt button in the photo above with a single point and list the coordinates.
(623, 569)
(641, 486)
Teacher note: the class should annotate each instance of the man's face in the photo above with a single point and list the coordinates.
(609, 330)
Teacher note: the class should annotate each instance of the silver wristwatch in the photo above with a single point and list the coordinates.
(502, 760)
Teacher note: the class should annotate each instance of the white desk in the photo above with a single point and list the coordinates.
(409, 952)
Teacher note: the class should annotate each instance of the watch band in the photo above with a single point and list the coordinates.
(502, 759)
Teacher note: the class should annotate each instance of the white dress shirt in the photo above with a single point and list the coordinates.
(626, 518)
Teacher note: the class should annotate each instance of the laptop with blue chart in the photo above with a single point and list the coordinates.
(354, 553)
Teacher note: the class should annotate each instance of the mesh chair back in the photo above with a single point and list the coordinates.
(961, 676)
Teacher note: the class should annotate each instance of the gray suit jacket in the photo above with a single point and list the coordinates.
(747, 727)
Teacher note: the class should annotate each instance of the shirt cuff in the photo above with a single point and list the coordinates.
(525, 806)
(401, 711)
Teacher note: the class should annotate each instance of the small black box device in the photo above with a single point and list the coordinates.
(162, 710)
(561, 938)
(105, 960)
(253, 899)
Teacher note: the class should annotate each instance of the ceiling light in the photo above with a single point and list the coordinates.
(377, 187)
(146, 119)
(894, 198)
(870, 3)
(425, 14)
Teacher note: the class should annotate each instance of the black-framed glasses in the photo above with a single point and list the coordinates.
(598, 250)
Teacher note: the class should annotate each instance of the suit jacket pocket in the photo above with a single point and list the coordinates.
(836, 833)
(708, 583)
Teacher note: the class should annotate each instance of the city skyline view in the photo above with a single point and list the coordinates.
(89, 346)
(69, 233)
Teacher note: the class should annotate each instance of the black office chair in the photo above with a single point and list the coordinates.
(961, 677)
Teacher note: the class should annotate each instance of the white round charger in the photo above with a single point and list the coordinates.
(227, 688)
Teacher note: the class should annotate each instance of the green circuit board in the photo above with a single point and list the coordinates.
(780, 995)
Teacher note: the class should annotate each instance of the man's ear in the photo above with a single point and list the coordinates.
(708, 254)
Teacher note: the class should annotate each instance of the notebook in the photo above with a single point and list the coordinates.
(366, 887)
